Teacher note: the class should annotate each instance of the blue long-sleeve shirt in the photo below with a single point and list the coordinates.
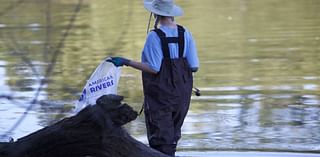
(152, 53)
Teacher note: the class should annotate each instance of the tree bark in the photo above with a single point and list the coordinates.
(95, 131)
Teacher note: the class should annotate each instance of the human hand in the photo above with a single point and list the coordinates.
(118, 61)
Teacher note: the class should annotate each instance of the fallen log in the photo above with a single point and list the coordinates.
(95, 131)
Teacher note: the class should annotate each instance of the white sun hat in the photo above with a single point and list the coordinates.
(163, 7)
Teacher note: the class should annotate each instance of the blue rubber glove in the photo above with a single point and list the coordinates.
(119, 61)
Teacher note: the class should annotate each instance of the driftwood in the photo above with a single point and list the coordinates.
(94, 132)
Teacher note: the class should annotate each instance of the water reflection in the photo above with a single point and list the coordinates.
(259, 76)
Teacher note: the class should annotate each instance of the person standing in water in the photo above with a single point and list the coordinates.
(169, 58)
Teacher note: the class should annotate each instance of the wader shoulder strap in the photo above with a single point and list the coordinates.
(164, 43)
(166, 40)
(181, 40)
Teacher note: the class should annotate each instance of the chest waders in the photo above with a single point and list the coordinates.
(167, 96)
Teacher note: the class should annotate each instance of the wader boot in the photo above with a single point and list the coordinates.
(167, 96)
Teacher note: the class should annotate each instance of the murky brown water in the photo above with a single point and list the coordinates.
(259, 75)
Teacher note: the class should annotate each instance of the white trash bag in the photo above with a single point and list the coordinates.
(104, 80)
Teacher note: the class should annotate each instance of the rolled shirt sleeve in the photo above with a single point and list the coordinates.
(191, 51)
(152, 52)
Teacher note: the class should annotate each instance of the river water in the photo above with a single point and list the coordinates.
(259, 74)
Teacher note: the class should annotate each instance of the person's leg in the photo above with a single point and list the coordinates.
(182, 108)
(160, 131)
(178, 118)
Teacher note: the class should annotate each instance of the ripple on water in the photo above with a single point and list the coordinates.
(215, 97)
(312, 87)
(223, 88)
(36, 42)
(229, 105)
(3, 25)
(311, 77)
(34, 26)
(310, 100)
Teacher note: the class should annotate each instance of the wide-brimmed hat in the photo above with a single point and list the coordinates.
(163, 7)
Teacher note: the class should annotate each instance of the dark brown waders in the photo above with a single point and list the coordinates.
(167, 96)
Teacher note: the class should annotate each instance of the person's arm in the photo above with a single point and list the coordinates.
(120, 61)
(191, 52)
(141, 66)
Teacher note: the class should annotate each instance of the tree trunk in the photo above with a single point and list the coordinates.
(95, 131)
